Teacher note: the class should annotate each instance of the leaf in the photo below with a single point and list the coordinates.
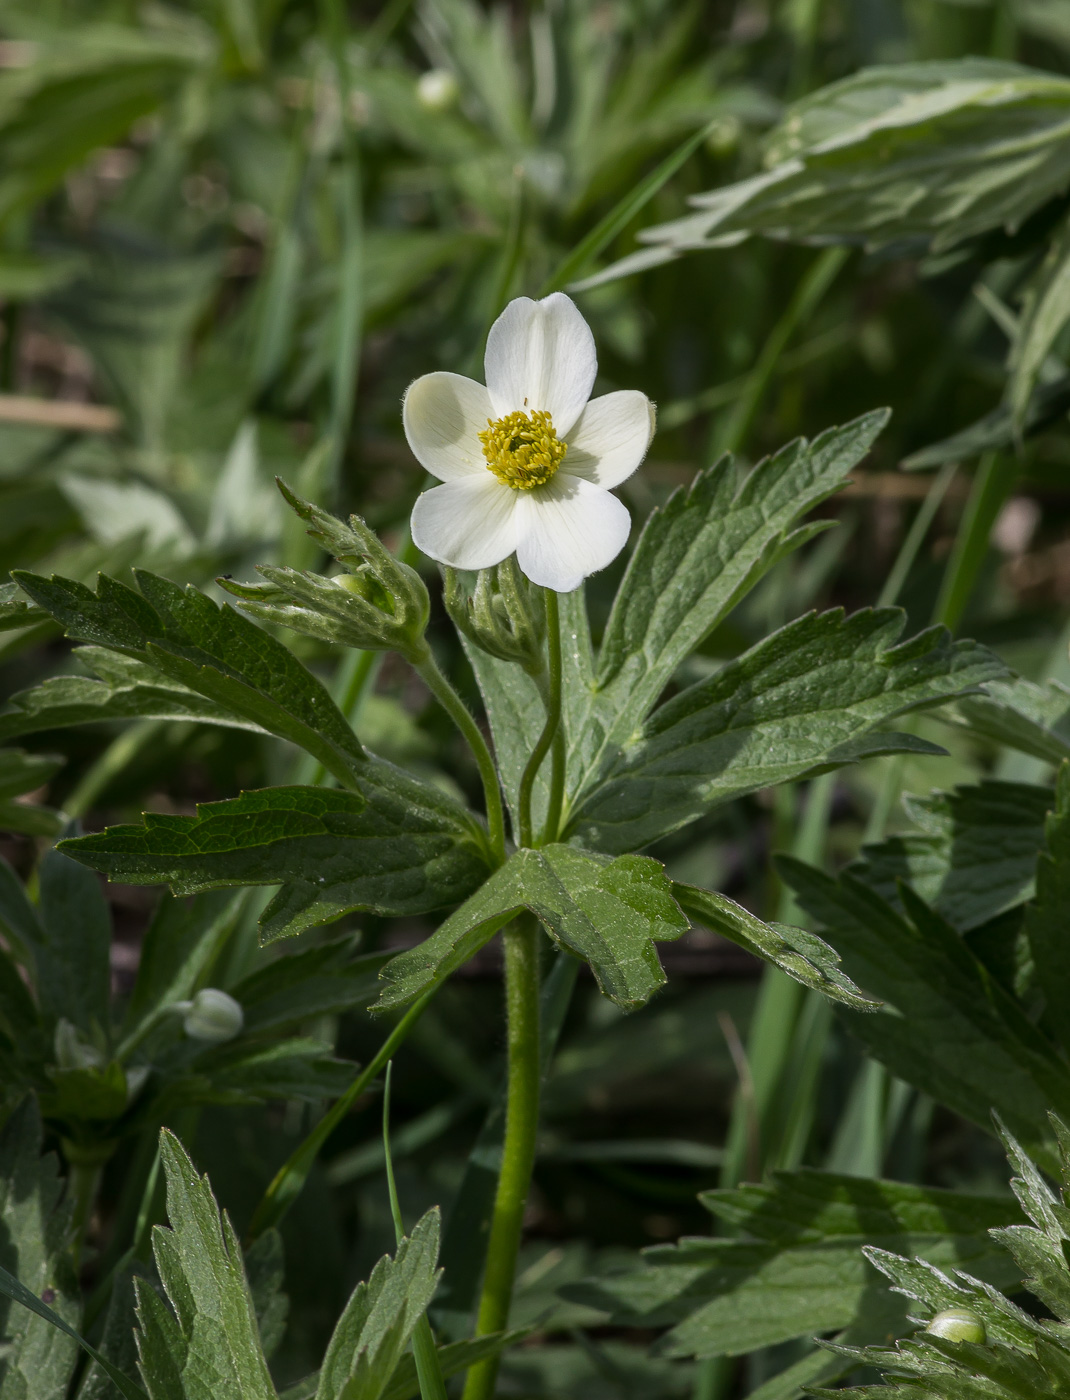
(1045, 917)
(126, 689)
(210, 1345)
(695, 559)
(803, 701)
(37, 1359)
(948, 1026)
(975, 857)
(73, 952)
(402, 849)
(265, 1269)
(800, 954)
(453, 1358)
(515, 708)
(16, 610)
(380, 1317)
(1034, 719)
(249, 1071)
(1045, 312)
(608, 912)
(799, 1269)
(996, 429)
(22, 772)
(319, 981)
(85, 88)
(210, 649)
(180, 944)
(927, 152)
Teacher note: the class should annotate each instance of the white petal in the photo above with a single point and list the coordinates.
(567, 530)
(469, 524)
(442, 414)
(541, 355)
(610, 438)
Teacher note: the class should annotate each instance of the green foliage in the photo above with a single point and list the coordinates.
(210, 649)
(609, 912)
(20, 773)
(805, 700)
(380, 1317)
(1022, 1355)
(211, 1339)
(333, 851)
(38, 1359)
(795, 1265)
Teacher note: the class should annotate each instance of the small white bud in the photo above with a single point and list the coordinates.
(958, 1325)
(212, 1015)
(437, 90)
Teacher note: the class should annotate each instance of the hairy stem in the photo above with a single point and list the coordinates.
(455, 707)
(518, 1149)
(547, 738)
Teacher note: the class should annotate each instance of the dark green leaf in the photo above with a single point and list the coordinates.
(21, 772)
(126, 689)
(805, 700)
(265, 1270)
(74, 951)
(697, 557)
(249, 1071)
(996, 429)
(948, 1027)
(380, 1317)
(1044, 314)
(801, 955)
(38, 1358)
(1034, 719)
(1045, 918)
(404, 850)
(607, 912)
(975, 856)
(318, 981)
(210, 649)
(16, 610)
(801, 1270)
(211, 1343)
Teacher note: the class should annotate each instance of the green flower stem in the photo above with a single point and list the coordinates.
(455, 707)
(547, 737)
(521, 940)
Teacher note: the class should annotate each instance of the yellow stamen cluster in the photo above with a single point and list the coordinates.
(522, 449)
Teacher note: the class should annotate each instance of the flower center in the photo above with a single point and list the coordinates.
(522, 449)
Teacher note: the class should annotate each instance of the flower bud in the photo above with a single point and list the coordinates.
(437, 90)
(73, 1051)
(377, 604)
(503, 614)
(212, 1015)
(958, 1325)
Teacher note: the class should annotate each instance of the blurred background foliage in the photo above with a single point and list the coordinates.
(231, 233)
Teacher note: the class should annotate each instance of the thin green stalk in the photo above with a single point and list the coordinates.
(458, 711)
(292, 1175)
(518, 1150)
(122, 750)
(425, 1354)
(546, 738)
(991, 487)
(908, 552)
(621, 215)
(731, 431)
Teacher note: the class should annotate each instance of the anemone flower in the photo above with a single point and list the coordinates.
(527, 462)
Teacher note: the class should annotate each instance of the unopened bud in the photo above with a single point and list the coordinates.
(73, 1051)
(502, 614)
(958, 1325)
(377, 604)
(212, 1015)
(437, 90)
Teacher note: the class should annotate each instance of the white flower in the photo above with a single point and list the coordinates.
(528, 461)
(212, 1015)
